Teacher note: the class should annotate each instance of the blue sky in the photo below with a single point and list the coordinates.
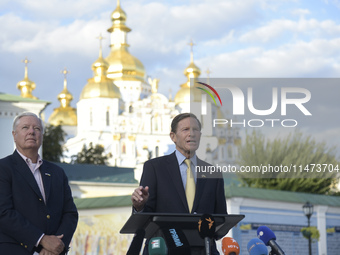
(248, 38)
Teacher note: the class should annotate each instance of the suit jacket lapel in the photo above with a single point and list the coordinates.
(24, 170)
(173, 169)
(200, 183)
(46, 178)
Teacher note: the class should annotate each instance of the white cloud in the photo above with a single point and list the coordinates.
(301, 59)
(61, 9)
(336, 3)
(225, 40)
(167, 25)
(16, 28)
(21, 36)
(277, 29)
(301, 12)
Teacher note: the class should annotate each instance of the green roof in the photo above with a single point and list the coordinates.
(98, 173)
(280, 195)
(102, 202)
(15, 98)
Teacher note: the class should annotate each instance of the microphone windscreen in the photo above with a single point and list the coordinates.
(136, 243)
(265, 234)
(257, 247)
(229, 245)
(206, 226)
(157, 246)
(176, 241)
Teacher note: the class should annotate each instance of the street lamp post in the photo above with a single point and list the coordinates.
(308, 211)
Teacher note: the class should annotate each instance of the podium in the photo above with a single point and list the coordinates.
(152, 223)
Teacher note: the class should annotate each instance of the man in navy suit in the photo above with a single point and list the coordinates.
(37, 212)
(164, 179)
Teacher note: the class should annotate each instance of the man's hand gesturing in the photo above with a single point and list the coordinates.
(139, 197)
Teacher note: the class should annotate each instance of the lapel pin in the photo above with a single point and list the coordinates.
(47, 174)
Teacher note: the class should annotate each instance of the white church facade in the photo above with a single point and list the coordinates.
(120, 109)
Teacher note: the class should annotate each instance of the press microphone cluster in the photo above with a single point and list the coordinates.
(230, 246)
(206, 230)
(268, 237)
(257, 247)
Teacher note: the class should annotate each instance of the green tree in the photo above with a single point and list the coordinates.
(54, 137)
(91, 155)
(295, 150)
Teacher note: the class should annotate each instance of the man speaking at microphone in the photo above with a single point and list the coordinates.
(170, 184)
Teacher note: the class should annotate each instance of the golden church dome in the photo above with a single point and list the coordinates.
(100, 65)
(64, 115)
(26, 86)
(118, 14)
(99, 85)
(183, 95)
(192, 72)
(122, 65)
(188, 93)
(100, 88)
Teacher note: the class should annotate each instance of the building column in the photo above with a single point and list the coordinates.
(233, 207)
(321, 225)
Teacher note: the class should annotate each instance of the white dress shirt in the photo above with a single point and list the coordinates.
(34, 167)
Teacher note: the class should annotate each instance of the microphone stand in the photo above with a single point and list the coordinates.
(272, 252)
(207, 242)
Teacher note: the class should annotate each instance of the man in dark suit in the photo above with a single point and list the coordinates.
(37, 212)
(165, 180)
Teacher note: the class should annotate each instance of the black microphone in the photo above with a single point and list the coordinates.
(176, 241)
(136, 243)
(268, 237)
(206, 230)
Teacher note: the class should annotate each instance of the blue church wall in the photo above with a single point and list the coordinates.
(274, 216)
(333, 240)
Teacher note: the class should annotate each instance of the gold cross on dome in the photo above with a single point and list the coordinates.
(191, 44)
(100, 37)
(26, 61)
(65, 72)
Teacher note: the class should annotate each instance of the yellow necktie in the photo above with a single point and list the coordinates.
(190, 186)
